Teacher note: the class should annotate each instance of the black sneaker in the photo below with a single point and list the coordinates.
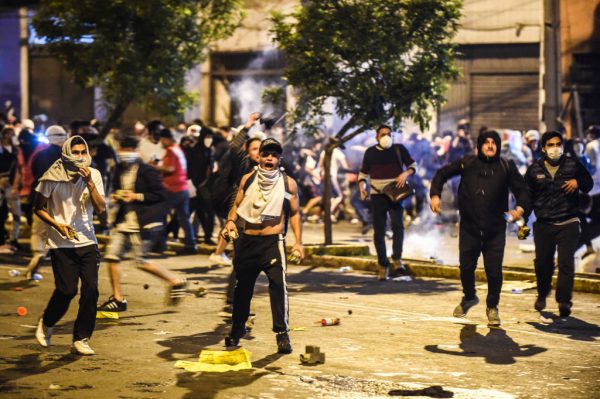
(233, 339)
(540, 304)
(493, 316)
(176, 293)
(112, 305)
(564, 309)
(189, 251)
(283, 343)
(463, 307)
(397, 268)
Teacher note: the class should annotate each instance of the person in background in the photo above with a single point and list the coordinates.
(8, 184)
(382, 164)
(140, 195)
(173, 167)
(41, 162)
(554, 183)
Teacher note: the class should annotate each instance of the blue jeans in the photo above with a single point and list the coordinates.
(180, 202)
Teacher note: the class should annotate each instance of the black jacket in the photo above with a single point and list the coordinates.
(148, 182)
(551, 203)
(483, 189)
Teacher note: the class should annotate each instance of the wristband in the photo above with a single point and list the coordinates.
(230, 220)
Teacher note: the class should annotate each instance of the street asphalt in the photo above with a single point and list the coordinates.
(395, 338)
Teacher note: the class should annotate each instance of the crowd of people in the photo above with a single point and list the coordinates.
(150, 184)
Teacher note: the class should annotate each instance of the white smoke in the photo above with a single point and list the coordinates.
(247, 91)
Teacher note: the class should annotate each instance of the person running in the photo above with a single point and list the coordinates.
(555, 181)
(140, 196)
(67, 196)
(485, 180)
(265, 198)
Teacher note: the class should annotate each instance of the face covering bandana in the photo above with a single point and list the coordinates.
(554, 153)
(208, 142)
(386, 142)
(65, 169)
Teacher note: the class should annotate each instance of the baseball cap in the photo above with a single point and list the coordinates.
(270, 144)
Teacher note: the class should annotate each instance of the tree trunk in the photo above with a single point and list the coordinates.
(327, 191)
(115, 116)
(329, 147)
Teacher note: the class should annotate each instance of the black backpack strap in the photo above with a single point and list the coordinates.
(286, 203)
(398, 156)
(250, 180)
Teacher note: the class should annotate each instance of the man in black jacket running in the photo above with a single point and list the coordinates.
(554, 182)
(483, 207)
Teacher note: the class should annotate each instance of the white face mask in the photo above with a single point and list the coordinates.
(208, 142)
(128, 157)
(554, 153)
(386, 142)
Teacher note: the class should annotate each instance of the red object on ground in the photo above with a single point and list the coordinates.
(18, 288)
(21, 310)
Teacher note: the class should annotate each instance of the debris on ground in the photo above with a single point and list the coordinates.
(107, 315)
(312, 355)
(435, 391)
(328, 322)
(218, 361)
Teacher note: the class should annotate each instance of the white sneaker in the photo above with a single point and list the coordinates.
(43, 333)
(222, 259)
(82, 348)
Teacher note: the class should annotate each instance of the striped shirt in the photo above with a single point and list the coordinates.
(382, 167)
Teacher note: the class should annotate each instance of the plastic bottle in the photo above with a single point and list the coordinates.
(14, 273)
(517, 290)
(508, 217)
(329, 322)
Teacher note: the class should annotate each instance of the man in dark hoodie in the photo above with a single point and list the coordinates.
(555, 181)
(485, 180)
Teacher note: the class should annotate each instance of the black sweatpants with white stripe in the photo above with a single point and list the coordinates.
(255, 254)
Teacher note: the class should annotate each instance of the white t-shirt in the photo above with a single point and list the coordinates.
(70, 203)
(150, 151)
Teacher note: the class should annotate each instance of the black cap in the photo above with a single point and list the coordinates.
(550, 135)
(166, 133)
(271, 144)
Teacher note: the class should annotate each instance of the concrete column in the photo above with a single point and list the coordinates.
(552, 75)
(24, 61)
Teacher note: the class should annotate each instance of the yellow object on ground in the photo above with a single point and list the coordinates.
(107, 315)
(299, 329)
(218, 361)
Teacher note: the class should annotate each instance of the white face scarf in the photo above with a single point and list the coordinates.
(65, 169)
(263, 200)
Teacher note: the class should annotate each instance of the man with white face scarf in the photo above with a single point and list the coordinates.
(67, 196)
(260, 206)
(382, 164)
(554, 182)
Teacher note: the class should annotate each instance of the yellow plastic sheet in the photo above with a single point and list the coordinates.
(107, 315)
(218, 361)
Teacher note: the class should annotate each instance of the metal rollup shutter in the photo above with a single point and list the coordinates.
(504, 100)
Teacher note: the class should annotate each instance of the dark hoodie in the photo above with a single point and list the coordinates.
(200, 158)
(484, 186)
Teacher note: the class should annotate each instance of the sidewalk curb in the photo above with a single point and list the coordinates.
(583, 282)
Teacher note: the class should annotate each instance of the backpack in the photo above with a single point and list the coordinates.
(286, 201)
